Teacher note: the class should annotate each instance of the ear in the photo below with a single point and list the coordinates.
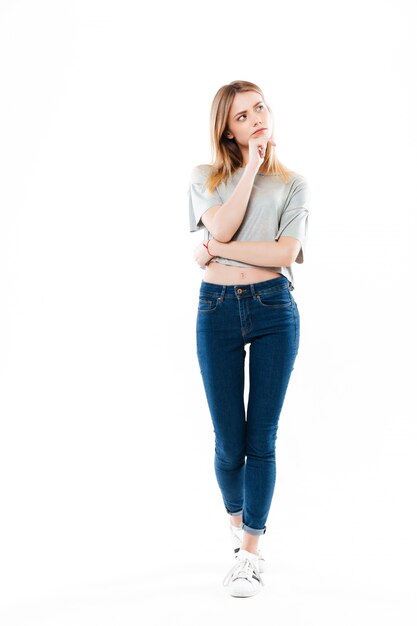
(228, 134)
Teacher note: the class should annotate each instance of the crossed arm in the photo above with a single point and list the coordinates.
(223, 220)
(281, 253)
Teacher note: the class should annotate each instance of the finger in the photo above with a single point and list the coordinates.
(264, 140)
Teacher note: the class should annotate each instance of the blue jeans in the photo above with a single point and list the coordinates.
(265, 315)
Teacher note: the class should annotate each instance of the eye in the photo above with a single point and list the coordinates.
(260, 106)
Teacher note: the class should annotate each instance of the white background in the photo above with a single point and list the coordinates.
(109, 507)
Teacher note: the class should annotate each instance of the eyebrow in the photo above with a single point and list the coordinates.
(255, 105)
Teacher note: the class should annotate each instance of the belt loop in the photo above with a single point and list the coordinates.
(222, 294)
(252, 288)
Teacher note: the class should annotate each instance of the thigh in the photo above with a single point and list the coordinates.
(221, 356)
(271, 362)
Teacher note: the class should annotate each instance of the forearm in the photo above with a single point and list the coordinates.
(262, 253)
(230, 215)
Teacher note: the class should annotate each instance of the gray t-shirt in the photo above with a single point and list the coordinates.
(275, 208)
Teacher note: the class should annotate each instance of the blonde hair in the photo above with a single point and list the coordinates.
(226, 154)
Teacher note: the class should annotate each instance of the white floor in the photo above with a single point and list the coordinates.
(307, 582)
(85, 540)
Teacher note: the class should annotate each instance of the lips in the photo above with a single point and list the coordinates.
(259, 130)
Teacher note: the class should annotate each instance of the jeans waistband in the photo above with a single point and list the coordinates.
(246, 290)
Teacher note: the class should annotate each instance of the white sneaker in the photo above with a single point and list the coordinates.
(244, 579)
(237, 538)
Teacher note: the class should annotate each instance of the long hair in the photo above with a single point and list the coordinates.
(226, 154)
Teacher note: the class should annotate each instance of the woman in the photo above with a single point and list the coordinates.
(254, 214)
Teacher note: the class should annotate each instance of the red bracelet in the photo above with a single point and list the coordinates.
(206, 246)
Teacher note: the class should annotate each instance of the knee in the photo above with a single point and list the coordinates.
(261, 447)
(229, 456)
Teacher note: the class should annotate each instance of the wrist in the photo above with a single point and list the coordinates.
(251, 169)
(213, 247)
(208, 246)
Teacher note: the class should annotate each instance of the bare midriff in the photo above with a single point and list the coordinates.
(222, 274)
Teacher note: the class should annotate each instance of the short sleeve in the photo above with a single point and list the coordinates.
(294, 217)
(199, 198)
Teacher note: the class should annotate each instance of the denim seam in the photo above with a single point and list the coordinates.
(294, 318)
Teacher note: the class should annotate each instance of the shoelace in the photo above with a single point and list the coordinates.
(244, 568)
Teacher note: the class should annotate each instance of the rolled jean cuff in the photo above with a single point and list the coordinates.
(254, 531)
(236, 513)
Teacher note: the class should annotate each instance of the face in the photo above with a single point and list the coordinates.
(248, 113)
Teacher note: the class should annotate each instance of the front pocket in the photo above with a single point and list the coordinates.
(207, 304)
(275, 299)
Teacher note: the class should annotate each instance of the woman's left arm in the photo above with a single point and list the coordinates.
(281, 253)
